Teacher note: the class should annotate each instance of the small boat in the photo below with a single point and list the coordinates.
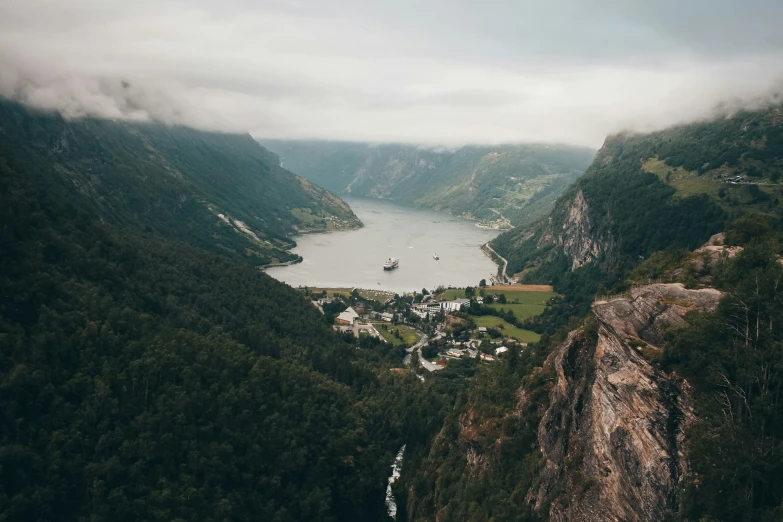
(391, 263)
(436, 257)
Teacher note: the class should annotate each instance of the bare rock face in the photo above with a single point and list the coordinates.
(577, 237)
(714, 250)
(612, 436)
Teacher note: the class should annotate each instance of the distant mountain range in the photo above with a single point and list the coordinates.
(519, 182)
(220, 192)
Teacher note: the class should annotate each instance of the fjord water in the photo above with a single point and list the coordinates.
(355, 258)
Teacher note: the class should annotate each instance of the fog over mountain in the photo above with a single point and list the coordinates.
(433, 72)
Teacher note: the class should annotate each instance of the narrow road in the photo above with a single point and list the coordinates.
(421, 343)
(505, 263)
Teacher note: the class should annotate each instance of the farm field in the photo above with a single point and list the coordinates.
(521, 311)
(523, 303)
(409, 337)
(508, 329)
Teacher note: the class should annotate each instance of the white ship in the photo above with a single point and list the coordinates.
(391, 263)
(436, 257)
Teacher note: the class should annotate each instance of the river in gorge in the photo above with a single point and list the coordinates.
(355, 258)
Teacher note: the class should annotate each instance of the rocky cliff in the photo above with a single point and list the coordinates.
(612, 435)
(578, 239)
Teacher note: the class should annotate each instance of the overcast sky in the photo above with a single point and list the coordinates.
(434, 72)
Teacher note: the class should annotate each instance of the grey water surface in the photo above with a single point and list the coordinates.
(355, 258)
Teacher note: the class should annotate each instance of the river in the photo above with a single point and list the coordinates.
(355, 258)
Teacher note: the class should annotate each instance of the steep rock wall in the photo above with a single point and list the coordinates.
(612, 436)
(578, 239)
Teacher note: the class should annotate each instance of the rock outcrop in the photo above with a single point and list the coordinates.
(612, 435)
(714, 250)
(578, 239)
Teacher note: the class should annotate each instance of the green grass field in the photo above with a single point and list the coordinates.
(689, 183)
(521, 311)
(509, 330)
(409, 337)
(523, 304)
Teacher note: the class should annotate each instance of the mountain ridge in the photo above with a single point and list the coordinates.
(222, 192)
(517, 182)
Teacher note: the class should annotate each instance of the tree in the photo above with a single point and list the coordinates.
(483, 282)
(469, 292)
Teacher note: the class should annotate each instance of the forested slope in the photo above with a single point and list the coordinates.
(654, 392)
(174, 180)
(657, 405)
(517, 181)
(643, 193)
(145, 379)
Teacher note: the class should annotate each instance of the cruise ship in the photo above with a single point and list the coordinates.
(391, 263)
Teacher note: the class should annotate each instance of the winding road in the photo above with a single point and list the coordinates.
(505, 262)
(422, 342)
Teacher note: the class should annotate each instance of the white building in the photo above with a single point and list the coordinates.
(500, 349)
(348, 317)
(432, 307)
(420, 312)
(455, 305)
(386, 316)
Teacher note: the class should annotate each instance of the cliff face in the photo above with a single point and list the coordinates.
(612, 436)
(579, 242)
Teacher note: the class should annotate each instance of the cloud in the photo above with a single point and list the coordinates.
(444, 72)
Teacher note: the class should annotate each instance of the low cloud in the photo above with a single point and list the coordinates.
(431, 72)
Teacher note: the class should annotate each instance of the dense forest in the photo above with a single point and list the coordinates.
(734, 361)
(519, 181)
(174, 180)
(149, 372)
(144, 378)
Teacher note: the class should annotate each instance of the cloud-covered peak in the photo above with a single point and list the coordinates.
(430, 71)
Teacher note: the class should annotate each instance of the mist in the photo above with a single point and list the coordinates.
(429, 73)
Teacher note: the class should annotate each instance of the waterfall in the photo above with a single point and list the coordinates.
(391, 503)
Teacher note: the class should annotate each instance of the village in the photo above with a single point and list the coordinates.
(430, 330)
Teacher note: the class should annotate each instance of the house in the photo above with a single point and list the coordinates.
(421, 313)
(431, 307)
(386, 316)
(348, 317)
(454, 353)
(482, 329)
(480, 300)
(486, 357)
(500, 349)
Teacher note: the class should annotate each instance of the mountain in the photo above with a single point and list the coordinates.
(221, 192)
(657, 398)
(518, 182)
(647, 192)
(143, 378)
